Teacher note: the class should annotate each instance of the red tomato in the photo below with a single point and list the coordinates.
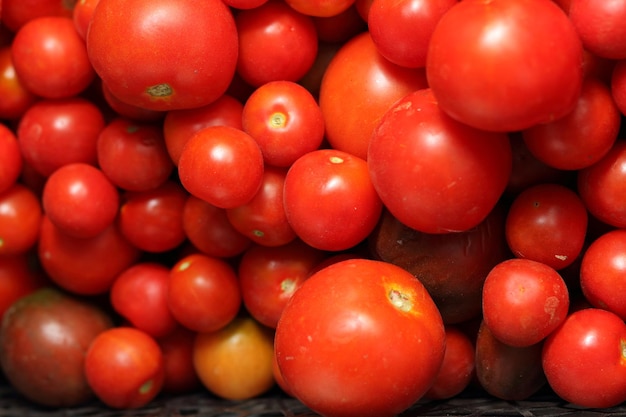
(583, 136)
(524, 301)
(18, 278)
(133, 154)
(360, 337)
(245, 4)
(285, 120)
(203, 293)
(263, 219)
(323, 8)
(129, 111)
(269, 276)
(588, 346)
(180, 374)
(420, 160)
(80, 200)
(602, 272)
(291, 34)
(167, 55)
(402, 29)
(330, 200)
(180, 125)
(341, 27)
(208, 229)
(20, 219)
(231, 158)
(51, 59)
(85, 266)
(53, 133)
(600, 25)
(602, 186)
(359, 85)
(139, 294)
(547, 223)
(11, 161)
(15, 13)
(492, 65)
(16, 98)
(81, 16)
(153, 220)
(129, 352)
(618, 85)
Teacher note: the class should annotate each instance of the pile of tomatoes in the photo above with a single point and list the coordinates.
(367, 203)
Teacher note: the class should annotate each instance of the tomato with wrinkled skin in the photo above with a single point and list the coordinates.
(20, 219)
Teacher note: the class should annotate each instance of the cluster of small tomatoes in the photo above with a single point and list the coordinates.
(365, 202)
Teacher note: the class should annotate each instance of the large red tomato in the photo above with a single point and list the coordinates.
(163, 54)
(600, 25)
(360, 338)
(494, 64)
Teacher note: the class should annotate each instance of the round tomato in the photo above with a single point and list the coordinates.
(339, 28)
(16, 98)
(167, 55)
(180, 373)
(322, 8)
(599, 23)
(433, 173)
(492, 65)
(360, 337)
(81, 16)
(11, 161)
(618, 85)
(20, 219)
(15, 13)
(18, 277)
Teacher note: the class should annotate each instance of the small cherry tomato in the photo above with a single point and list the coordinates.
(16, 98)
(11, 161)
(180, 373)
(20, 219)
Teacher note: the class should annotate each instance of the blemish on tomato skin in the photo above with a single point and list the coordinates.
(162, 90)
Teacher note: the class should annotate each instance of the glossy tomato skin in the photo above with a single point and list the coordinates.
(420, 160)
(359, 85)
(599, 25)
(598, 336)
(149, 68)
(20, 219)
(346, 314)
(492, 65)
(330, 201)
(16, 98)
(130, 352)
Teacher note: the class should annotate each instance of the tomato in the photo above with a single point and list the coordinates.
(583, 136)
(86, 266)
(524, 301)
(323, 8)
(203, 292)
(221, 165)
(402, 30)
(18, 278)
(152, 220)
(133, 154)
(235, 362)
(129, 352)
(285, 120)
(20, 219)
(618, 85)
(139, 294)
(343, 317)
(602, 186)
(51, 59)
(245, 4)
(15, 13)
(599, 337)
(599, 25)
(129, 111)
(149, 67)
(359, 85)
(269, 276)
(602, 271)
(339, 28)
(330, 201)
(16, 98)
(180, 125)
(180, 374)
(492, 65)
(290, 34)
(420, 160)
(53, 133)
(208, 229)
(547, 223)
(80, 200)
(81, 16)
(11, 161)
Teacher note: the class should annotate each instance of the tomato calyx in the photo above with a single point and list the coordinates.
(160, 90)
(288, 286)
(146, 387)
(278, 120)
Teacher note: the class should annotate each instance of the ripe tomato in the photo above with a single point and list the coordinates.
(547, 223)
(492, 64)
(359, 85)
(149, 67)
(285, 120)
(360, 337)
(180, 374)
(320, 8)
(11, 161)
(203, 292)
(81, 16)
(618, 85)
(80, 200)
(15, 13)
(139, 295)
(221, 165)
(292, 37)
(235, 362)
(129, 111)
(18, 277)
(129, 352)
(330, 201)
(420, 160)
(50, 58)
(588, 346)
(20, 219)
(600, 26)
(340, 27)
(16, 98)
(524, 301)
